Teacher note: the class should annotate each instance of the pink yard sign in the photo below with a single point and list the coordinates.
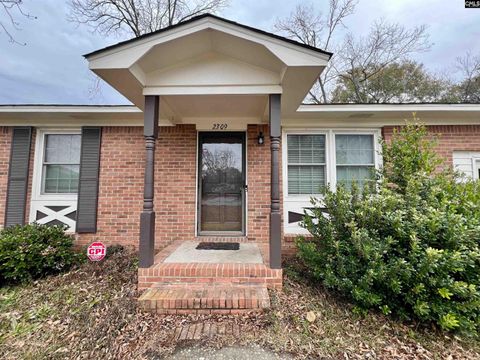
(96, 251)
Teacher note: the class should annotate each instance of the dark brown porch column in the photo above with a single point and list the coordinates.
(275, 218)
(147, 218)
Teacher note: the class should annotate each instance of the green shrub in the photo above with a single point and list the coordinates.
(32, 251)
(410, 246)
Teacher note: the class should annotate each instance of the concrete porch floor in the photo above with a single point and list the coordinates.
(248, 253)
(180, 262)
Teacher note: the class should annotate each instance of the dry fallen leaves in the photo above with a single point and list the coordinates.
(91, 312)
(310, 316)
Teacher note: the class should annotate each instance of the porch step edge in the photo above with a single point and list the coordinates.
(186, 298)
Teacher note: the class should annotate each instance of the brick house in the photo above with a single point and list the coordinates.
(217, 147)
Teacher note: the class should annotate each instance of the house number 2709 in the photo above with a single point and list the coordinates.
(219, 127)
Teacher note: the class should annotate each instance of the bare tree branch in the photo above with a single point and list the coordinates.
(386, 44)
(306, 25)
(137, 17)
(358, 58)
(9, 7)
(468, 89)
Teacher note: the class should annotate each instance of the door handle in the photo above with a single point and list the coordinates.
(245, 187)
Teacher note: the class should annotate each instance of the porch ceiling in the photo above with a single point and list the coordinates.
(190, 109)
(210, 56)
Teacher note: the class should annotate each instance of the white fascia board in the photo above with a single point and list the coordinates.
(68, 109)
(325, 122)
(75, 123)
(378, 108)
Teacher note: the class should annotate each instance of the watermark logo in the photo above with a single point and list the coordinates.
(472, 4)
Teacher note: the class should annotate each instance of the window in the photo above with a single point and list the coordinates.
(61, 163)
(355, 157)
(467, 163)
(306, 164)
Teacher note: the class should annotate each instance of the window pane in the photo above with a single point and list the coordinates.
(61, 178)
(306, 149)
(62, 149)
(346, 175)
(306, 179)
(354, 149)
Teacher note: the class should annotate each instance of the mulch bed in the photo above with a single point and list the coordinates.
(91, 312)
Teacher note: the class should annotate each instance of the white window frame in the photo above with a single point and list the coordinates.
(376, 150)
(476, 168)
(297, 202)
(37, 182)
(285, 167)
(330, 154)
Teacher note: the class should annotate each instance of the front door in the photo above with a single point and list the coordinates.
(221, 169)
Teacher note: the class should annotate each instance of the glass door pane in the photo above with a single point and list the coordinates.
(221, 164)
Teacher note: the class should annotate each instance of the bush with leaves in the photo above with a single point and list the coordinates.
(33, 251)
(409, 246)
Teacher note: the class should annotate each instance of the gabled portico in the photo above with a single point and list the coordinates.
(222, 78)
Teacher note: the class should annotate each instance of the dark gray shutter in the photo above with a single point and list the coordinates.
(18, 176)
(89, 178)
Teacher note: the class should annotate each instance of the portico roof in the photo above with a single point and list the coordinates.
(195, 18)
(213, 57)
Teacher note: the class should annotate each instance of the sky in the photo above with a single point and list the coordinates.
(50, 68)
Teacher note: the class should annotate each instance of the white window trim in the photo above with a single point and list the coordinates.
(38, 165)
(295, 202)
(41, 202)
(476, 167)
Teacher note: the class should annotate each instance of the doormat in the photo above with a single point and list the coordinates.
(217, 246)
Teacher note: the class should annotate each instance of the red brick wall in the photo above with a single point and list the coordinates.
(449, 138)
(258, 177)
(120, 198)
(121, 184)
(175, 179)
(122, 171)
(5, 141)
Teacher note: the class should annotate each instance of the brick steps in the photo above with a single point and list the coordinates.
(244, 274)
(188, 298)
